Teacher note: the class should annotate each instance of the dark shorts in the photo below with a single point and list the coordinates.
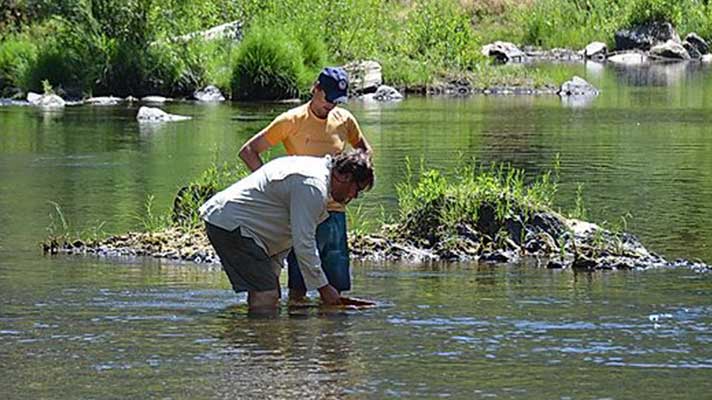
(247, 266)
(333, 251)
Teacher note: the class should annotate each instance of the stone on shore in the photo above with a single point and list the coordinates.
(364, 76)
(384, 93)
(596, 51)
(209, 94)
(155, 99)
(629, 59)
(150, 114)
(504, 52)
(103, 101)
(643, 37)
(698, 43)
(669, 51)
(47, 101)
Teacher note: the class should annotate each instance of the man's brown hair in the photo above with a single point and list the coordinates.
(356, 163)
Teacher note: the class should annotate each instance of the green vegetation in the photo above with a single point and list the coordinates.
(129, 47)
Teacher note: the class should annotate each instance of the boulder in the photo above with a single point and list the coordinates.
(384, 93)
(504, 52)
(645, 36)
(669, 51)
(629, 59)
(696, 41)
(103, 101)
(691, 50)
(150, 114)
(707, 58)
(209, 94)
(577, 86)
(45, 100)
(596, 51)
(364, 76)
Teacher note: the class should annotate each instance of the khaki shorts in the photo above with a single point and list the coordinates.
(247, 266)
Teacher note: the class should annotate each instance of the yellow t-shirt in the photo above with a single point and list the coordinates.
(304, 134)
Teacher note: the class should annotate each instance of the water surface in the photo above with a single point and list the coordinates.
(78, 327)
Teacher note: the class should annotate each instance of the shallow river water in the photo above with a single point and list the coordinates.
(81, 327)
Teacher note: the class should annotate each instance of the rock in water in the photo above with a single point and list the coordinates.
(577, 87)
(103, 101)
(150, 114)
(45, 100)
(155, 99)
(384, 93)
(697, 42)
(596, 51)
(629, 59)
(669, 51)
(209, 94)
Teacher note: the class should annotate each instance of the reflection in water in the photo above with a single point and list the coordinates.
(654, 74)
(308, 356)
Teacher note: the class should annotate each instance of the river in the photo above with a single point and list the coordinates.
(81, 327)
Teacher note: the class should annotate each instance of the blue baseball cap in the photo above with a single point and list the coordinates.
(334, 81)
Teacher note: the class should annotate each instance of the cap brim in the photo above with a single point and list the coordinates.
(340, 100)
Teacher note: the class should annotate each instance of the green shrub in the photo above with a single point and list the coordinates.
(17, 54)
(72, 58)
(644, 11)
(268, 66)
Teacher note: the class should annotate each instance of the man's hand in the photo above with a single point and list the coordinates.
(329, 295)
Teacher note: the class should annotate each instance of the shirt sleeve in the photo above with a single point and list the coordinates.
(278, 130)
(307, 205)
(353, 132)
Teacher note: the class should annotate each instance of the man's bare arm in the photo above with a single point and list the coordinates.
(363, 145)
(250, 151)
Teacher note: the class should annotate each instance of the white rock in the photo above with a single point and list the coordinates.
(578, 86)
(384, 93)
(103, 101)
(150, 114)
(209, 94)
(155, 99)
(364, 75)
(629, 59)
(45, 100)
(706, 58)
(504, 52)
(595, 49)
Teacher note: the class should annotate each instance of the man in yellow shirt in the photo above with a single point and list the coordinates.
(316, 128)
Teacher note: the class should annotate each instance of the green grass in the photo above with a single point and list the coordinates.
(124, 47)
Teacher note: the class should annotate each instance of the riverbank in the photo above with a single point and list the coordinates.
(258, 50)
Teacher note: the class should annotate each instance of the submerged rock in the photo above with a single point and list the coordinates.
(150, 114)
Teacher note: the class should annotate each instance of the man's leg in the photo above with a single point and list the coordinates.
(334, 250)
(263, 300)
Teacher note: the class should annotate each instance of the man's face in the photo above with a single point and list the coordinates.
(343, 189)
(320, 106)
